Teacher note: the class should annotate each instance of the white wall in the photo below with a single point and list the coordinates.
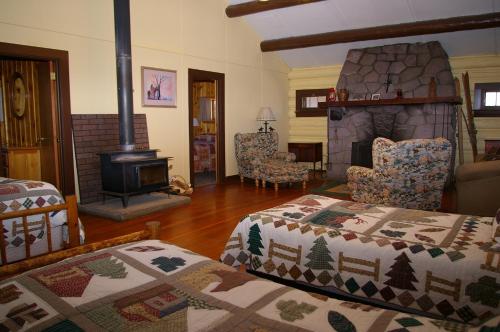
(170, 34)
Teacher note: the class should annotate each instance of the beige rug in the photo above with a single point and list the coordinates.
(333, 189)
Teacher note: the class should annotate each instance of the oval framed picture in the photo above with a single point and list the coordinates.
(18, 94)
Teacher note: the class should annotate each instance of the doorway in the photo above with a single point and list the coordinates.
(206, 127)
(35, 120)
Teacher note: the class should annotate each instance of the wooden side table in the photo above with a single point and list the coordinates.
(308, 152)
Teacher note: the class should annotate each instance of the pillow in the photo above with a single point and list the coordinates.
(496, 230)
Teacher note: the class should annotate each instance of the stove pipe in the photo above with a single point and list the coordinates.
(124, 74)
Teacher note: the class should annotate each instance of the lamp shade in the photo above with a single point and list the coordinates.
(266, 114)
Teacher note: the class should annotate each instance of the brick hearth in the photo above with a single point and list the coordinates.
(94, 133)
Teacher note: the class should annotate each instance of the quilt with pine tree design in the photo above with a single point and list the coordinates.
(155, 286)
(439, 264)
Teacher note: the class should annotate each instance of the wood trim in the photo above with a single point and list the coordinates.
(60, 59)
(319, 112)
(395, 101)
(253, 7)
(486, 113)
(71, 217)
(195, 75)
(459, 23)
(309, 112)
(151, 232)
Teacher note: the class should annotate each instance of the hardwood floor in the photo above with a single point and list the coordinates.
(205, 225)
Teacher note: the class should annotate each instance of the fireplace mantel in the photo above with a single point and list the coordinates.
(395, 101)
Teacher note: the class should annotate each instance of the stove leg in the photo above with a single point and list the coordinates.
(125, 201)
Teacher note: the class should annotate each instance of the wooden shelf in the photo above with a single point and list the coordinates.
(395, 101)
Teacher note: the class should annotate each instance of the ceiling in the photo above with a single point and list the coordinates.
(335, 15)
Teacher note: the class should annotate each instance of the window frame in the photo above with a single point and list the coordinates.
(311, 111)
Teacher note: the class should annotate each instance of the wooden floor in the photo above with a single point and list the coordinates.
(205, 225)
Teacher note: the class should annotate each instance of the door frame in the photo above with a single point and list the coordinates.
(195, 75)
(60, 59)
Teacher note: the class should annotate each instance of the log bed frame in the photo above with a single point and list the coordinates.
(73, 248)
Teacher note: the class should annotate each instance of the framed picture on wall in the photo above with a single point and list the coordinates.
(159, 87)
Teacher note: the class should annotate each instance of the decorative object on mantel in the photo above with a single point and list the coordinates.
(343, 95)
(331, 94)
(432, 88)
(399, 93)
(266, 115)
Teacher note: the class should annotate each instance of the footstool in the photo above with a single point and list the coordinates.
(281, 171)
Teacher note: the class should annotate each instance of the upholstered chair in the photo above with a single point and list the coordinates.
(258, 158)
(478, 188)
(409, 174)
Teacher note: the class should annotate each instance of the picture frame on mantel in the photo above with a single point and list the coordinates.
(159, 87)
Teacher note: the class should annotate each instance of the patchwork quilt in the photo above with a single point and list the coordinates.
(438, 264)
(154, 286)
(16, 195)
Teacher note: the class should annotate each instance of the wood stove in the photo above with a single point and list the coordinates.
(127, 173)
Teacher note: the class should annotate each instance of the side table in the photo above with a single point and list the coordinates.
(308, 152)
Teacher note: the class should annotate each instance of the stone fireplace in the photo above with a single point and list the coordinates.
(421, 72)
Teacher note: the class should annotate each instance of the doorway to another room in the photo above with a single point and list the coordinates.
(35, 116)
(206, 127)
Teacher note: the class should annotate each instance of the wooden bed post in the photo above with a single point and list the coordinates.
(72, 215)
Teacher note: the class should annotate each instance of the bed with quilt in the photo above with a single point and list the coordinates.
(155, 286)
(204, 153)
(432, 263)
(18, 195)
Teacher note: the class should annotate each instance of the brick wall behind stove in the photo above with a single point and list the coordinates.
(95, 133)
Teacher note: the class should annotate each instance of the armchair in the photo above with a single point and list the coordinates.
(478, 188)
(409, 174)
(258, 158)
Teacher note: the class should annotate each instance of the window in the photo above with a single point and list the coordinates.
(487, 99)
(307, 102)
(492, 99)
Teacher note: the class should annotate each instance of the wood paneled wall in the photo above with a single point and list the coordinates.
(203, 89)
(311, 129)
(21, 132)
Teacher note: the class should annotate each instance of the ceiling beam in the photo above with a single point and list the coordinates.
(253, 7)
(385, 31)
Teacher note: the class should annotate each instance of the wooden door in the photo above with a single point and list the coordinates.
(48, 137)
(195, 75)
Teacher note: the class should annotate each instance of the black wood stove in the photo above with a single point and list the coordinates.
(127, 173)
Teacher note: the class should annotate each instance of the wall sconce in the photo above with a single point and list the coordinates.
(266, 115)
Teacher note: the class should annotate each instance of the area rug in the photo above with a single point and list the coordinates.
(333, 189)
(137, 206)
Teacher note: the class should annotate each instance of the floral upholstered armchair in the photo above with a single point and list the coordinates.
(258, 159)
(409, 174)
